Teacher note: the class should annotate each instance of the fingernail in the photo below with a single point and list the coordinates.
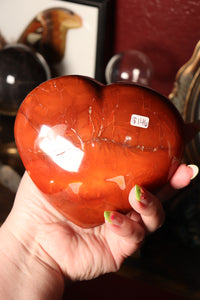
(195, 170)
(140, 194)
(113, 218)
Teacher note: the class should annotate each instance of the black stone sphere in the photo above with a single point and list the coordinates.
(21, 70)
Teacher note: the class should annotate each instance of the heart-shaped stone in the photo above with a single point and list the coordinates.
(85, 145)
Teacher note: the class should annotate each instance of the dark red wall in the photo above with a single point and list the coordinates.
(166, 30)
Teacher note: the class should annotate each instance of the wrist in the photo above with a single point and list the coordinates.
(27, 272)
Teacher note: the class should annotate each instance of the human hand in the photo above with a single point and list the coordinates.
(86, 253)
(76, 253)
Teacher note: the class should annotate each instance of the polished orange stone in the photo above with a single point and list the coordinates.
(85, 145)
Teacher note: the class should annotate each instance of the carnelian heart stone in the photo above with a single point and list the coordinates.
(85, 145)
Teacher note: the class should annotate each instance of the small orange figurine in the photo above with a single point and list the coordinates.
(85, 145)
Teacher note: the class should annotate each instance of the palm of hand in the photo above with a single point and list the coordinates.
(83, 253)
(79, 253)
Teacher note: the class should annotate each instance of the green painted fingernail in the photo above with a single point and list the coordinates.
(195, 170)
(138, 192)
(113, 218)
(107, 216)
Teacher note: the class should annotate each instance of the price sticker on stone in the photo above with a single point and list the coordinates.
(139, 121)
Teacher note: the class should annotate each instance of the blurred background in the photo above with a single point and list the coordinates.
(153, 38)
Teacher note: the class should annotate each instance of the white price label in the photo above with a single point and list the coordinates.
(139, 121)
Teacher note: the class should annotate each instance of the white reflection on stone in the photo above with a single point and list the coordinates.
(75, 186)
(119, 180)
(60, 150)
